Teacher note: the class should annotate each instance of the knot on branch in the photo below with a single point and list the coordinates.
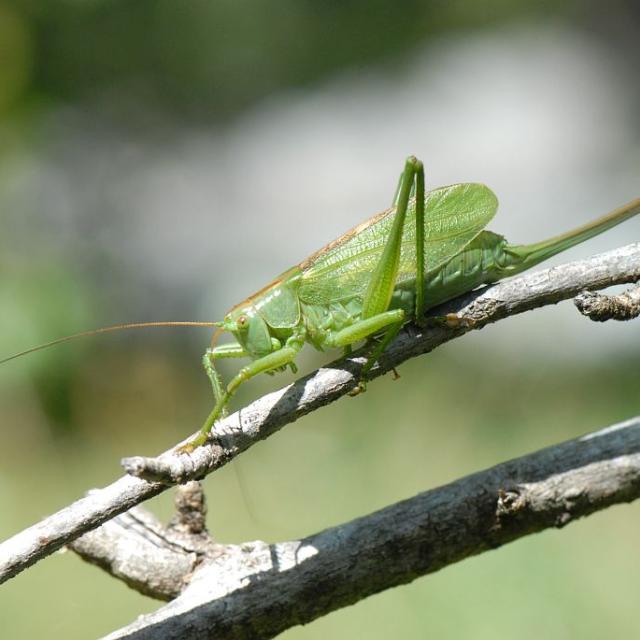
(191, 509)
(511, 502)
(173, 467)
(600, 307)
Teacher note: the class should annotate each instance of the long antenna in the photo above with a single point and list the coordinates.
(115, 327)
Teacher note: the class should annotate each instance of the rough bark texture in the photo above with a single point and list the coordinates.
(155, 560)
(268, 414)
(257, 590)
(600, 307)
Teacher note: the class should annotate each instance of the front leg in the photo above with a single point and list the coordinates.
(229, 350)
(273, 361)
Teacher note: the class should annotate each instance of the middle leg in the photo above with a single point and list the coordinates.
(392, 321)
(230, 350)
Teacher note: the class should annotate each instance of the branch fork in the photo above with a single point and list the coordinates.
(258, 590)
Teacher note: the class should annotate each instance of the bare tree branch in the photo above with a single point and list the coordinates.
(155, 560)
(257, 590)
(600, 307)
(271, 412)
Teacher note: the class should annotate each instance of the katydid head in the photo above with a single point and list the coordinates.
(250, 330)
(264, 320)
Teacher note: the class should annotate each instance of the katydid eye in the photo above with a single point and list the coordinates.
(242, 321)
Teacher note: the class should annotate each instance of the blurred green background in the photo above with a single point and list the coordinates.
(162, 160)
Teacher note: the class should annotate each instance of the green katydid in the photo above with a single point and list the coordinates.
(426, 249)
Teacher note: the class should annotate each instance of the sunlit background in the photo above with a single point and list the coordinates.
(162, 160)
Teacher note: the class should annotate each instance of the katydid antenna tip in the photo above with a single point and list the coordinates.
(110, 329)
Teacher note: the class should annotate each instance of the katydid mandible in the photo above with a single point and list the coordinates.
(426, 249)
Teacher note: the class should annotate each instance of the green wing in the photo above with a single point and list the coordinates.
(454, 216)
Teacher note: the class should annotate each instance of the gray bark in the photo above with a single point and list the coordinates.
(257, 590)
(155, 560)
(600, 307)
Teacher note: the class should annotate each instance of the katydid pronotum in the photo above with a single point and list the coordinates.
(426, 249)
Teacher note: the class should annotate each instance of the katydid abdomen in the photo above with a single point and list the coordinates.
(483, 261)
(489, 258)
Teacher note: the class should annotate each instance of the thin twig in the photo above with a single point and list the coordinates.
(267, 415)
